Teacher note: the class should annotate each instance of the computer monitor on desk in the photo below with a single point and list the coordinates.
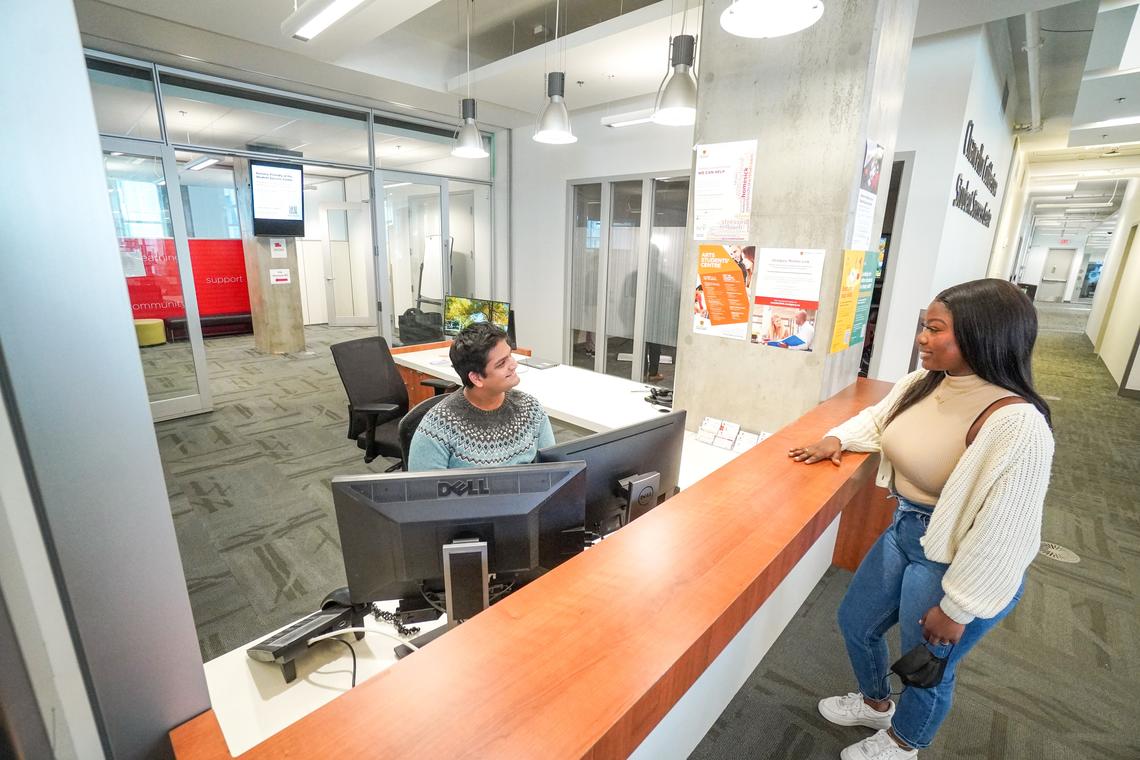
(628, 471)
(458, 312)
(414, 535)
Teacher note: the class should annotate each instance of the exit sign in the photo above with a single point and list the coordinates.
(1063, 241)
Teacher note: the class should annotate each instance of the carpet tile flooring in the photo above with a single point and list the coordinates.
(1060, 677)
(249, 484)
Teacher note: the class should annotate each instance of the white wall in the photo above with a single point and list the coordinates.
(952, 79)
(539, 206)
(1121, 324)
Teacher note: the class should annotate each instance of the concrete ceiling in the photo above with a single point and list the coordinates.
(1107, 109)
(617, 49)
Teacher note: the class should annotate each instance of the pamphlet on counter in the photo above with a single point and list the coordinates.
(728, 435)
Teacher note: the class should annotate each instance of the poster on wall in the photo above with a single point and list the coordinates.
(722, 191)
(855, 290)
(720, 299)
(787, 283)
(868, 192)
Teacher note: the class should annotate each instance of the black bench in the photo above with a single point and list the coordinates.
(212, 325)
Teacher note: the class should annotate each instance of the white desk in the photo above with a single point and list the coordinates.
(589, 400)
(253, 702)
(251, 699)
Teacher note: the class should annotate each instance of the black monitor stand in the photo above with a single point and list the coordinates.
(466, 588)
(640, 493)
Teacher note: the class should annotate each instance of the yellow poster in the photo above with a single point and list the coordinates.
(848, 297)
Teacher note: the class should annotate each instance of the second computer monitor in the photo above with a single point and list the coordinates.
(628, 471)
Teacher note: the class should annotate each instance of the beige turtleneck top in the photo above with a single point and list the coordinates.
(925, 442)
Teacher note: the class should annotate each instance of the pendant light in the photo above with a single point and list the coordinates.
(468, 140)
(760, 19)
(553, 125)
(676, 104)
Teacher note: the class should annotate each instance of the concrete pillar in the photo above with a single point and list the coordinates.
(278, 325)
(811, 100)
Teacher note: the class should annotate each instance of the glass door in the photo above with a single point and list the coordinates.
(350, 284)
(626, 251)
(586, 234)
(416, 243)
(622, 278)
(661, 303)
(146, 205)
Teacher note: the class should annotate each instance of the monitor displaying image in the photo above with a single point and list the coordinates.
(458, 312)
(500, 312)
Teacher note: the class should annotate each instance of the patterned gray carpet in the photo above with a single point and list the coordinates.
(1059, 677)
(249, 485)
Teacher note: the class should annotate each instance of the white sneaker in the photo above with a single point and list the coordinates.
(877, 746)
(853, 711)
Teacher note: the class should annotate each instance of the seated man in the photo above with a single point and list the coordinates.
(487, 423)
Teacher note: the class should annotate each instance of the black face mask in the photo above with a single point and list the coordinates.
(920, 667)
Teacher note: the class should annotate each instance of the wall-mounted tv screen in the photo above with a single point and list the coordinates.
(278, 205)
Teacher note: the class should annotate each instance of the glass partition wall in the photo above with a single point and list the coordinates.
(394, 222)
(155, 254)
(626, 242)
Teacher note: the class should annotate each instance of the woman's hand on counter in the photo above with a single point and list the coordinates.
(825, 448)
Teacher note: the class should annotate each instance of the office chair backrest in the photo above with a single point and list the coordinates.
(411, 421)
(369, 373)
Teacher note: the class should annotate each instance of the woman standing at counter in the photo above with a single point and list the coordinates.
(966, 450)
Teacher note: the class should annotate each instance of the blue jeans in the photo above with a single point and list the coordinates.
(896, 583)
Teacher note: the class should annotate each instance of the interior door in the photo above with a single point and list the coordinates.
(146, 204)
(350, 283)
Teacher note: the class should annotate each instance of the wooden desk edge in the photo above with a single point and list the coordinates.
(201, 737)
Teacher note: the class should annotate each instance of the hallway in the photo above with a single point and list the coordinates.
(1057, 679)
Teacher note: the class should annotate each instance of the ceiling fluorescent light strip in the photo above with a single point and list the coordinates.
(198, 164)
(313, 17)
(628, 119)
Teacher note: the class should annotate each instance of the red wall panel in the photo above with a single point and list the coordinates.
(219, 278)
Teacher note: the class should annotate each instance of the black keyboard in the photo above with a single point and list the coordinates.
(286, 645)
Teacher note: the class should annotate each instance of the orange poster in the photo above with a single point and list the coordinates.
(720, 302)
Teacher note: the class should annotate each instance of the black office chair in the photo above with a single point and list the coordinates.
(410, 421)
(377, 397)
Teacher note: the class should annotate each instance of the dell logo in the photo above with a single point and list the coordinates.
(463, 488)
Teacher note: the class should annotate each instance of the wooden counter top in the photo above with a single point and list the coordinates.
(587, 660)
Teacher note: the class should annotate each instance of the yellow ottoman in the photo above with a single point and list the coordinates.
(150, 332)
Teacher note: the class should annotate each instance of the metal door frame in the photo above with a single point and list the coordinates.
(201, 401)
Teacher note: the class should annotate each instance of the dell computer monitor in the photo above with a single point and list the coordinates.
(628, 471)
(394, 528)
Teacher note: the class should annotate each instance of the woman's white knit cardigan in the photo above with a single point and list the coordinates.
(987, 522)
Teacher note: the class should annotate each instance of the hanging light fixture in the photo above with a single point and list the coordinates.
(553, 125)
(760, 19)
(468, 141)
(677, 96)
